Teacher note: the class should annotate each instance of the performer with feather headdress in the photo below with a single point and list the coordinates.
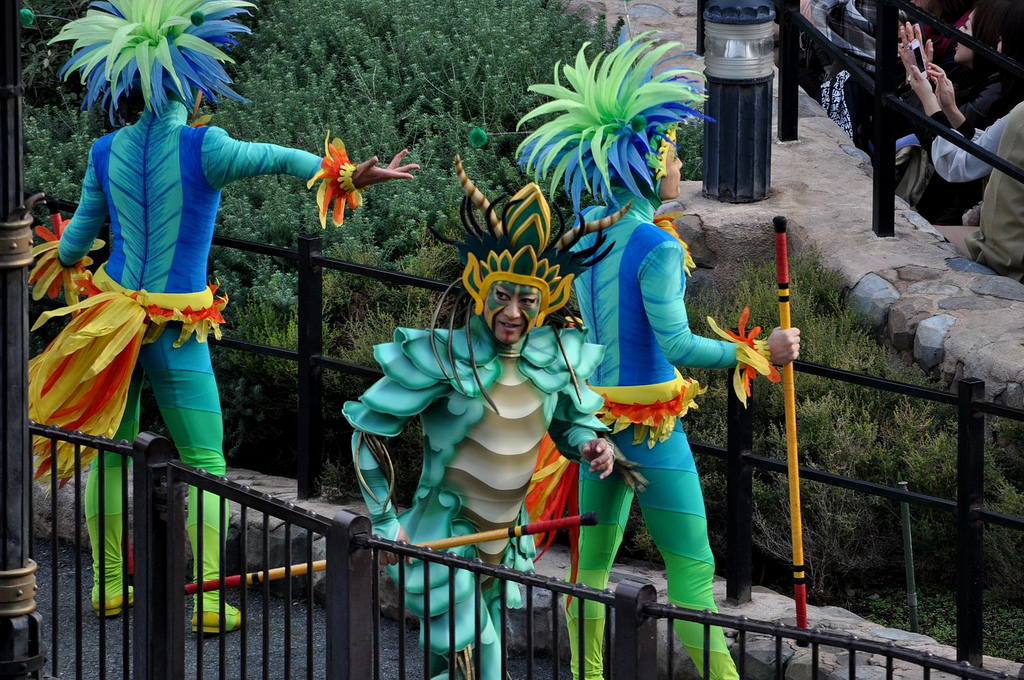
(614, 137)
(159, 184)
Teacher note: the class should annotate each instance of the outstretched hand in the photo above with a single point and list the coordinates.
(600, 454)
(368, 172)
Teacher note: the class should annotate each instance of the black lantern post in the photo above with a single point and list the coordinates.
(21, 654)
(738, 63)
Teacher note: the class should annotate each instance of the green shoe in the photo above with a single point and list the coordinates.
(211, 620)
(114, 605)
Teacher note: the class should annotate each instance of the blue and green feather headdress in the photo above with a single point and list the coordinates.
(158, 47)
(616, 117)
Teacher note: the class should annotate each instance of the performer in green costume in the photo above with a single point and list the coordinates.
(486, 394)
(615, 138)
(159, 184)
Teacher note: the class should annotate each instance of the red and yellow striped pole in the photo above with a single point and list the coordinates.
(792, 457)
(303, 568)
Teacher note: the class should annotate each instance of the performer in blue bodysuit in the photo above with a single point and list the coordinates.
(615, 138)
(159, 183)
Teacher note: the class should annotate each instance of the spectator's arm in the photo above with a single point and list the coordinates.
(956, 165)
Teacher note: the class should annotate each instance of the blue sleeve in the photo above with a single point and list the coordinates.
(87, 221)
(226, 160)
(662, 286)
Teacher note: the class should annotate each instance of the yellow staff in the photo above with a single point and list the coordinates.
(792, 459)
(303, 568)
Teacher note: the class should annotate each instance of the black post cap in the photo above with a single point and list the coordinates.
(780, 224)
(739, 11)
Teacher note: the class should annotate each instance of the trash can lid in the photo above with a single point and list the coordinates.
(739, 11)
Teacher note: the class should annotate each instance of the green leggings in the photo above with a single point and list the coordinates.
(673, 509)
(186, 392)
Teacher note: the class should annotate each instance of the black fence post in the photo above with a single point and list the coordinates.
(883, 134)
(158, 646)
(21, 631)
(739, 504)
(789, 72)
(970, 528)
(635, 633)
(350, 599)
(699, 47)
(311, 383)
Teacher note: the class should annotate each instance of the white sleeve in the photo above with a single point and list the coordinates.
(956, 165)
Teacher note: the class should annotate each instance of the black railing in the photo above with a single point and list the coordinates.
(969, 509)
(348, 611)
(882, 86)
(79, 643)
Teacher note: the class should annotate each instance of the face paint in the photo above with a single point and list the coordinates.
(511, 310)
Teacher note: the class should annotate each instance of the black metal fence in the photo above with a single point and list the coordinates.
(331, 626)
(881, 86)
(968, 508)
(80, 644)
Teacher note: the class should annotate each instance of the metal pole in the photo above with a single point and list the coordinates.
(883, 160)
(350, 599)
(739, 500)
(311, 382)
(908, 561)
(635, 634)
(789, 72)
(970, 528)
(159, 642)
(21, 652)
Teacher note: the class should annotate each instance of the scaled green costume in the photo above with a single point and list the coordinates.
(485, 407)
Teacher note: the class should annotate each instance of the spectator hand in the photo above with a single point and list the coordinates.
(946, 95)
(918, 80)
(600, 454)
(784, 345)
(368, 172)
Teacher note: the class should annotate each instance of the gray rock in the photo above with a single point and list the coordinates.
(998, 286)
(856, 153)
(281, 554)
(931, 334)
(872, 297)
(647, 11)
(800, 667)
(900, 636)
(913, 272)
(840, 614)
(761, 659)
(543, 640)
(921, 223)
(962, 264)
(933, 288)
(861, 673)
(972, 303)
(692, 231)
(1013, 395)
(904, 316)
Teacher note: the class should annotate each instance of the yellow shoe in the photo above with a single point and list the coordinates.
(211, 620)
(114, 605)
